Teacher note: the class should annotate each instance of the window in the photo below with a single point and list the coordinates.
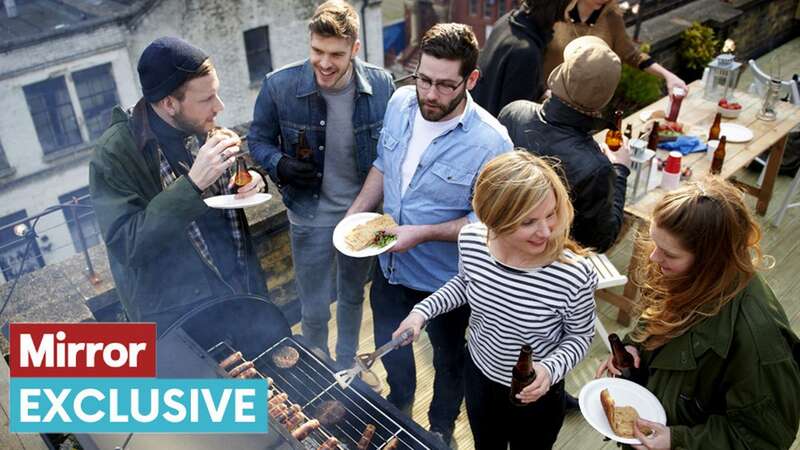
(256, 46)
(501, 8)
(97, 93)
(12, 249)
(488, 8)
(85, 216)
(4, 166)
(473, 7)
(52, 114)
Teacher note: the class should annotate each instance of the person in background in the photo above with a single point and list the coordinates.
(526, 284)
(562, 128)
(716, 344)
(338, 101)
(603, 18)
(148, 176)
(511, 61)
(434, 142)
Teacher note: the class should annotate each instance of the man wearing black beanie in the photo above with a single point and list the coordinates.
(149, 174)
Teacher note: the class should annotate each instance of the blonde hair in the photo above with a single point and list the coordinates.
(335, 18)
(710, 220)
(511, 186)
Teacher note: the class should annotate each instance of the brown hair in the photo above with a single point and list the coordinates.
(206, 68)
(545, 13)
(710, 220)
(452, 41)
(514, 184)
(335, 18)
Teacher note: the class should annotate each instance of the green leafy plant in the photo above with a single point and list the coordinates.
(636, 88)
(698, 46)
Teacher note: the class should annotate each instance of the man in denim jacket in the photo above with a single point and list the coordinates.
(434, 142)
(339, 102)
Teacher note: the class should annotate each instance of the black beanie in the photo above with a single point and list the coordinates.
(165, 64)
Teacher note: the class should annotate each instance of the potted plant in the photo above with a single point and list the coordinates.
(698, 46)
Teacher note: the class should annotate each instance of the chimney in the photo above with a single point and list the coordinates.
(11, 8)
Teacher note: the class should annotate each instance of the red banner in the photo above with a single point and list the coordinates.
(83, 350)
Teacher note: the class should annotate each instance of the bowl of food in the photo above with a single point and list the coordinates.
(729, 110)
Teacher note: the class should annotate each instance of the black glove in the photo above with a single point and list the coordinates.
(300, 174)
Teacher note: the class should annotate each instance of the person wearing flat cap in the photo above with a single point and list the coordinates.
(562, 127)
(149, 175)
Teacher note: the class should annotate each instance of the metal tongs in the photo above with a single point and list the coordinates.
(365, 361)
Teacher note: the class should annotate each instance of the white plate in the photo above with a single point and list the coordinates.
(735, 132)
(624, 393)
(346, 226)
(229, 202)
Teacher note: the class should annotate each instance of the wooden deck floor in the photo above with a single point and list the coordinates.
(782, 243)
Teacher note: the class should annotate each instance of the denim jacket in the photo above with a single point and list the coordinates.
(290, 100)
(441, 188)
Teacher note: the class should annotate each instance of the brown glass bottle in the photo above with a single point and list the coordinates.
(652, 141)
(614, 135)
(522, 374)
(713, 132)
(629, 131)
(242, 176)
(304, 152)
(719, 157)
(622, 359)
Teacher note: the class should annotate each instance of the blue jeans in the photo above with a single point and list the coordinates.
(323, 274)
(391, 303)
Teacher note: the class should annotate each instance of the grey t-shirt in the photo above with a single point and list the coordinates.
(340, 182)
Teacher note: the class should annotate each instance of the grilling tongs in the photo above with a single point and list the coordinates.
(365, 361)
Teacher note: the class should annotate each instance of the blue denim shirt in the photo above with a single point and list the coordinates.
(290, 100)
(441, 188)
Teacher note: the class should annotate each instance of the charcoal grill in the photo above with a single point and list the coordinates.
(196, 343)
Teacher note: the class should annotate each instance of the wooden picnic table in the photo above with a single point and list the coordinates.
(696, 115)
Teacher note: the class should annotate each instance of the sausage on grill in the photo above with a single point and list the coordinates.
(330, 444)
(277, 400)
(240, 368)
(249, 373)
(392, 444)
(305, 429)
(366, 437)
(231, 360)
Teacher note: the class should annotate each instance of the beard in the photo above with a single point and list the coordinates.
(187, 125)
(440, 111)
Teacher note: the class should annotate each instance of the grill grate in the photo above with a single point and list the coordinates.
(311, 382)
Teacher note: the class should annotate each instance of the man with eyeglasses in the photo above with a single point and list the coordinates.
(434, 142)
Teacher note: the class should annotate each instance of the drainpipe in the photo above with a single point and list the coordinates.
(11, 8)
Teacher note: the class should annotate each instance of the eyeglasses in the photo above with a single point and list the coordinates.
(442, 87)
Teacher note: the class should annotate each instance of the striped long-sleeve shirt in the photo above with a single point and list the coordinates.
(550, 307)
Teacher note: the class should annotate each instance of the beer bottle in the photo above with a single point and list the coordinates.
(304, 152)
(719, 157)
(652, 141)
(522, 374)
(622, 359)
(614, 135)
(242, 176)
(713, 132)
(629, 131)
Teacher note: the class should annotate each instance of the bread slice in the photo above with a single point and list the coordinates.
(362, 236)
(621, 418)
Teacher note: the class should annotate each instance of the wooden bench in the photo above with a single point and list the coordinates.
(609, 277)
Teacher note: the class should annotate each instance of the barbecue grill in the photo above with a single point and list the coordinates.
(194, 346)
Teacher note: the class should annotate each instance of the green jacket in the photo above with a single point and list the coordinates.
(155, 267)
(732, 381)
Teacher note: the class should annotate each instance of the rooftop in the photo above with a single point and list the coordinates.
(38, 20)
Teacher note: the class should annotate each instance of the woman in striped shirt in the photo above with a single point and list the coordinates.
(526, 283)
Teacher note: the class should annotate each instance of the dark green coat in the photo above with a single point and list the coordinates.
(156, 269)
(732, 381)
